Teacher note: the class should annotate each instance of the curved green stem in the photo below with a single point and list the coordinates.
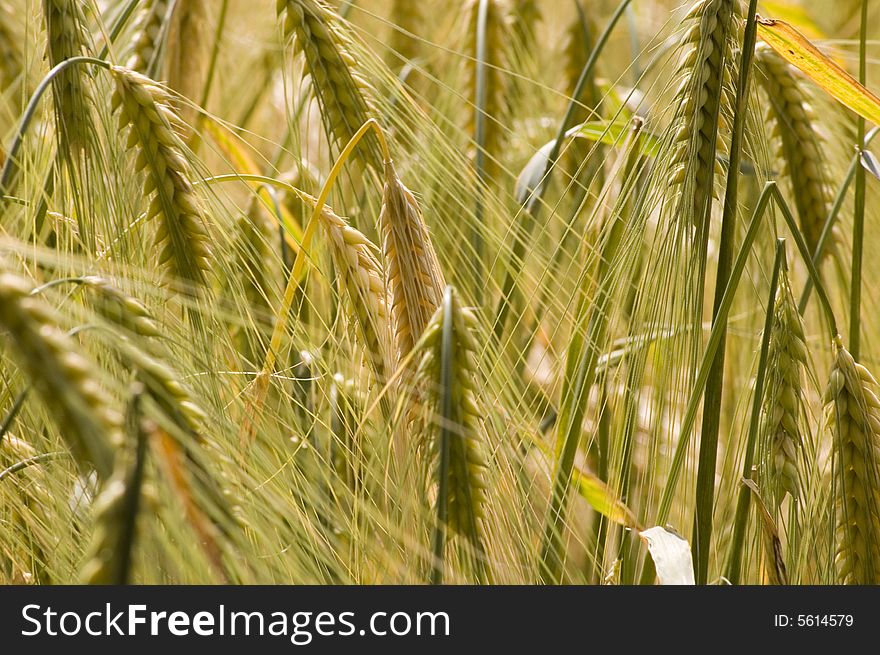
(11, 165)
(830, 221)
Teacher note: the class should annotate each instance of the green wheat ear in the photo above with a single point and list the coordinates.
(182, 238)
(854, 418)
(453, 414)
(343, 93)
(783, 400)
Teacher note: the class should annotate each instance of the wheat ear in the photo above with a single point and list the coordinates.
(66, 37)
(117, 306)
(344, 96)
(361, 276)
(703, 98)
(11, 56)
(68, 381)
(182, 235)
(408, 19)
(147, 40)
(466, 489)
(187, 53)
(493, 104)
(414, 276)
(799, 146)
(786, 359)
(117, 512)
(855, 422)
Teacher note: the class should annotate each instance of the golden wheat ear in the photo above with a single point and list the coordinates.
(704, 97)
(414, 276)
(854, 417)
(117, 510)
(70, 383)
(363, 281)
(488, 90)
(344, 95)
(67, 37)
(188, 54)
(182, 236)
(147, 40)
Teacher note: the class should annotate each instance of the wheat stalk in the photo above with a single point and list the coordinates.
(414, 276)
(66, 37)
(67, 380)
(343, 94)
(361, 276)
(855, 421)
(466, 489)
(783, 399)
(578, 39)
(799, 146)
(182, 236)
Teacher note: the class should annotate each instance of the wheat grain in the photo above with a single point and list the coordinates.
(164, 386)
(343, 94)
(67, 380)
(855, 421)
(182, 236)
(799, 146)
(121, 308)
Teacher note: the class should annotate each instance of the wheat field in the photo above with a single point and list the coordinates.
(436, 292)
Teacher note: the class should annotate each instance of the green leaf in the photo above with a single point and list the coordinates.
(603, 500)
